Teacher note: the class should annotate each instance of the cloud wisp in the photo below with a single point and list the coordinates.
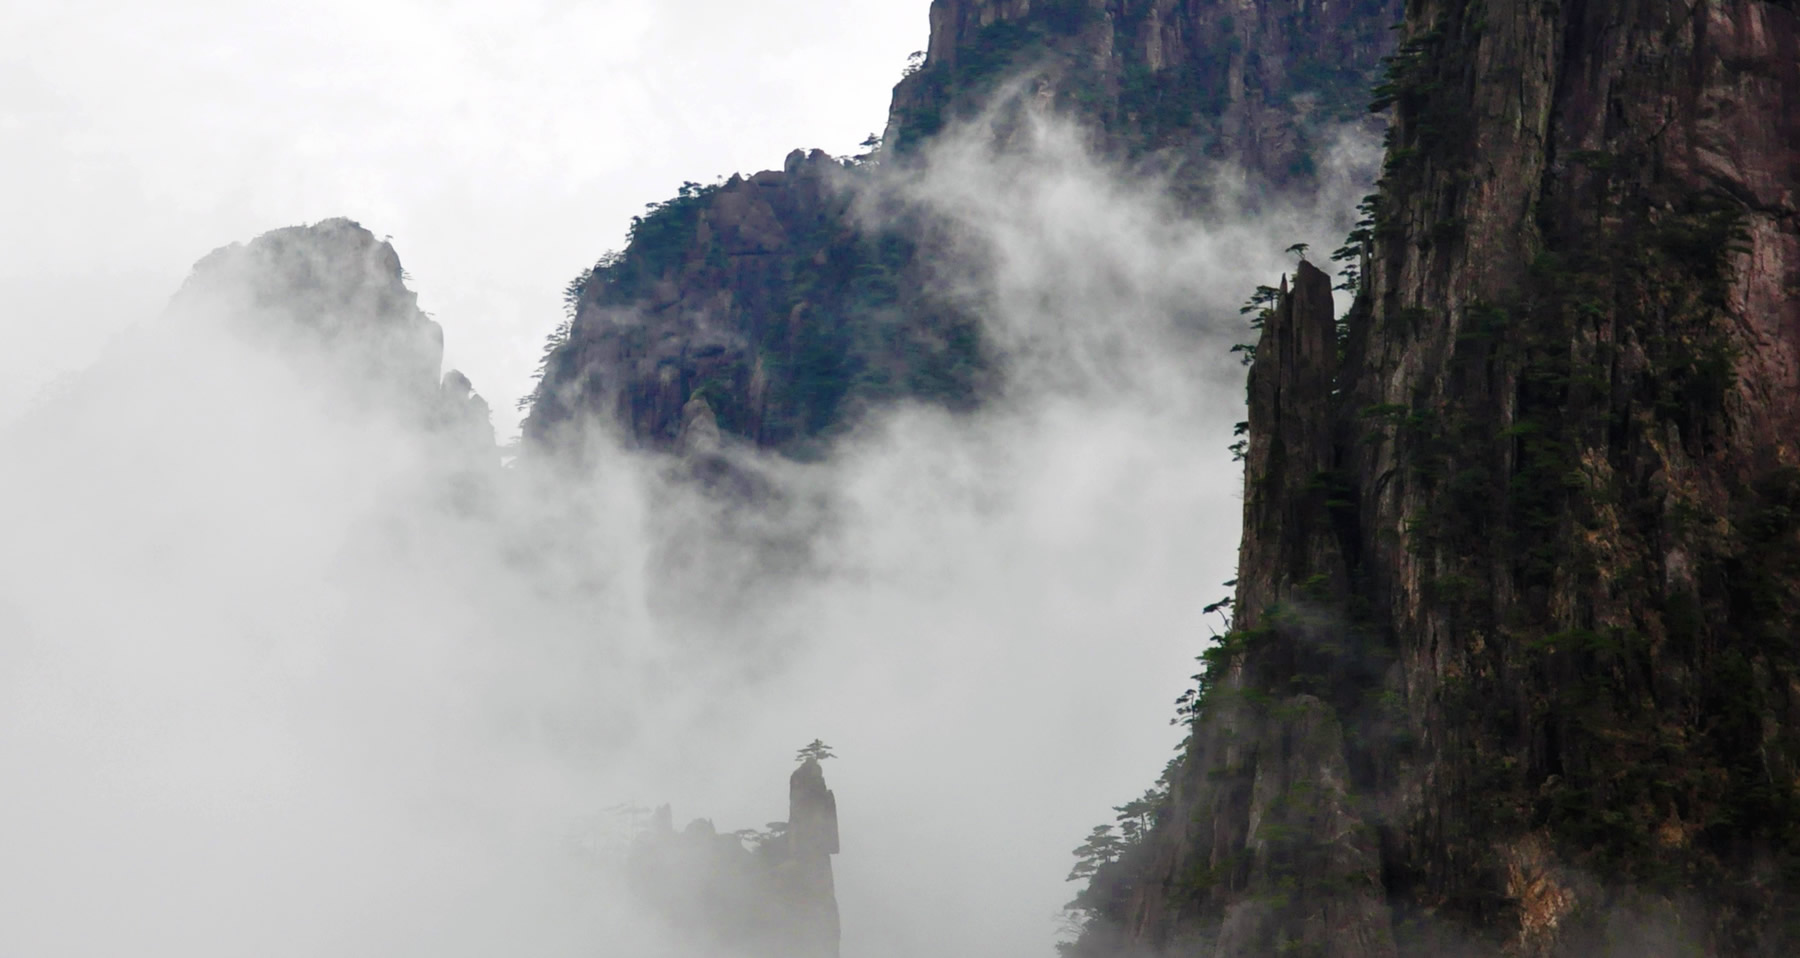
(273, 679)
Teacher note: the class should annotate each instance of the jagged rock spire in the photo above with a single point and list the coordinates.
(812, 838)
(774, 899)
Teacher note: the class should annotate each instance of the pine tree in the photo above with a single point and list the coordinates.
(1101, 848)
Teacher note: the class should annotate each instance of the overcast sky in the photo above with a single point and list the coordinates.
(504, 146)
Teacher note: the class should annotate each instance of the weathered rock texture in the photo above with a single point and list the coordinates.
(1262, 86)
(775, 899)
(766, 298)
(1515, 669)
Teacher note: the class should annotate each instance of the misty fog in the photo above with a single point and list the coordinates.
(270, 685)
(503, 145)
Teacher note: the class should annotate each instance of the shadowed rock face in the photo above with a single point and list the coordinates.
(1260, 86)
(1514, 666)
(789, 316)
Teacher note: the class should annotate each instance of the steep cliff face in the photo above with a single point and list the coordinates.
(1262, 86)
(1514, 668)
(767, 300)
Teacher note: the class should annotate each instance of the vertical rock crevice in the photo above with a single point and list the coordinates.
(1532, 547)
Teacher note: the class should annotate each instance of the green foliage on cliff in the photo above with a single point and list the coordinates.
(659, 240)
(1162, 103)
(1640, 778)
(1626, 701)
(946, 90)
(1101, 848)
(819, 320)
(1600, 649)
(1108, 863)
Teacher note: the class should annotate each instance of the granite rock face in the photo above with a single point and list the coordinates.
(1514, 666)
(1263, 87)
(790, 315)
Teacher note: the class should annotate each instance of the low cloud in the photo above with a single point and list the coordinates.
(273, 682)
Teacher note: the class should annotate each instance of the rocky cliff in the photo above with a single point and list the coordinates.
(762, 300)
(1259, 86)
(812, 838)
(1513, 669)
(767, 301)
(334, 299)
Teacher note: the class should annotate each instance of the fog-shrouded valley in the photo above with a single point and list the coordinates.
(1199, 479)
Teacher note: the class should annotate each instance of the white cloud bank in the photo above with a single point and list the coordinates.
(264, 691)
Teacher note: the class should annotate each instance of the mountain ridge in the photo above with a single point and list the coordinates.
(769, 299)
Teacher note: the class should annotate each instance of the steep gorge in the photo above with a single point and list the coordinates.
(1513, 667)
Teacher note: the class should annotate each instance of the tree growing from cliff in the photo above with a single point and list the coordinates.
(1138, 816)
(758, 839)
(572, 296)
(816, 749)
(1101, 848)
(1259, 307)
